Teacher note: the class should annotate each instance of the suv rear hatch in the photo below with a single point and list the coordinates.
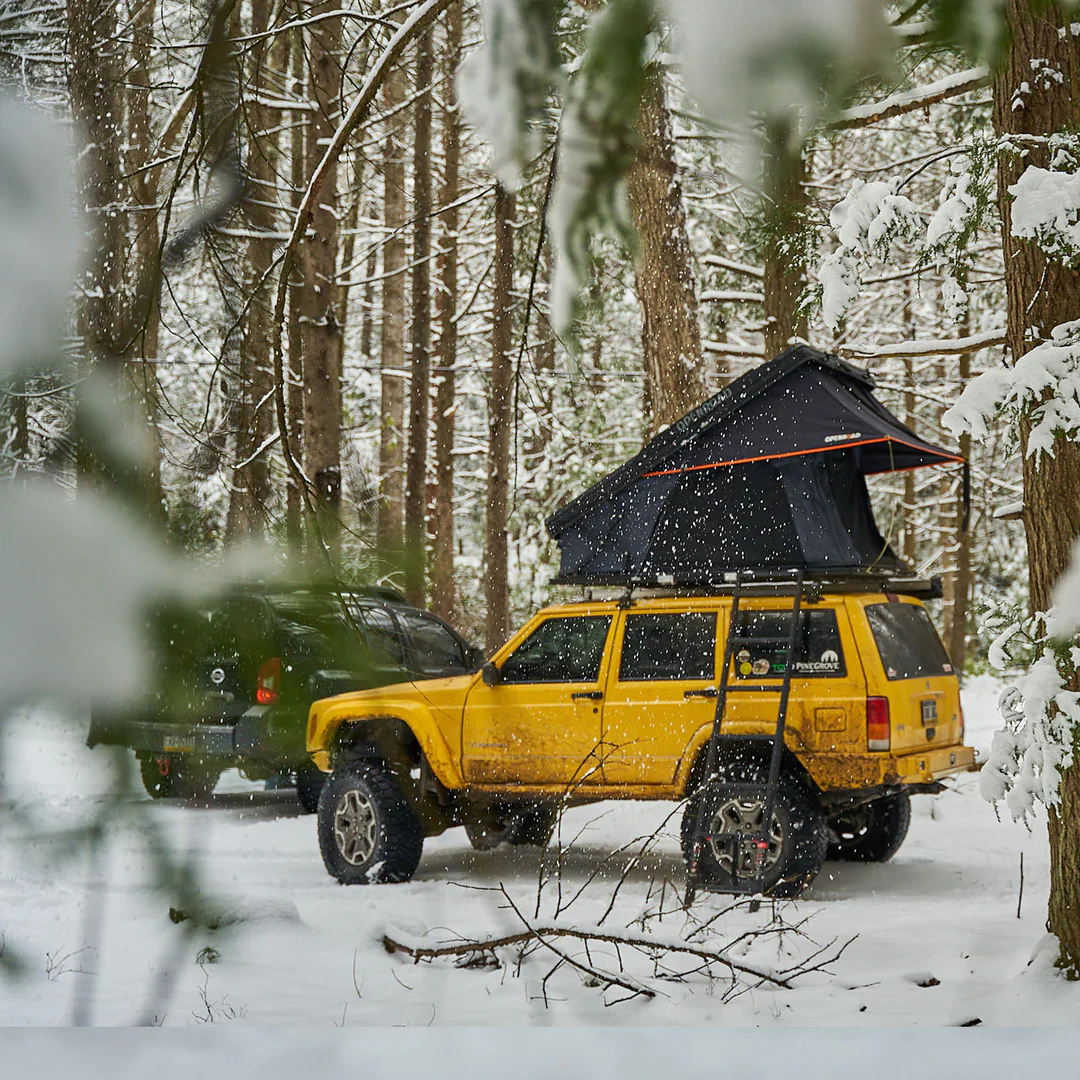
(916, 678)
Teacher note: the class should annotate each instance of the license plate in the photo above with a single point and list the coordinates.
(178, 741)
(929, 712)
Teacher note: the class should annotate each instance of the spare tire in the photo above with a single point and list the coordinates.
(872, 832)
(797, 836)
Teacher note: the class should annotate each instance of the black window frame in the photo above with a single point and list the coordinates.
(682, 676)
(508, 680)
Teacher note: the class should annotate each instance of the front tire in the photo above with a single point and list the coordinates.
(368, 833)
(872, 832)
(797, 836)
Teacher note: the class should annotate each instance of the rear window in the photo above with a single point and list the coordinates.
(907, 641)
(818, 652)
(669, 646)
(436, 652)
(384, 637)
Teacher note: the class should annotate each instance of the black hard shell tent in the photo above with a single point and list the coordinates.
(769, 474)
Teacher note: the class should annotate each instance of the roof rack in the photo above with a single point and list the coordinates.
(765, 582)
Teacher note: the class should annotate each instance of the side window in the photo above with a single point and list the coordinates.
(560, 650)
(669, 646)
(436, 652)
(817, 648)
(384, 636)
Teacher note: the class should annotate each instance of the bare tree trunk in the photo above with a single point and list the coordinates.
(94, 80)
(1041, 294)
(419, 386)
(367, 318)
(442, 578)
(500, 423)
(251, 482)
(294, 373)
(956, 580)
(322, 339)
(391, 448)
(671, 336)
(958, 626)
(144, 278)
(785, 226)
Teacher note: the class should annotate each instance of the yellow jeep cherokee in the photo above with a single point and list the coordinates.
(615, 699)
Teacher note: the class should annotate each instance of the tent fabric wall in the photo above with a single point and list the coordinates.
(770, 473)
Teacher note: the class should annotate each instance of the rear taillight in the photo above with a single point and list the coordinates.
(269, 683)
(877, 723)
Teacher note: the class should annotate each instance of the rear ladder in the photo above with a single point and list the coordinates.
(753, 883)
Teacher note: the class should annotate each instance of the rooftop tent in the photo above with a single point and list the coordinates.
(767, 474)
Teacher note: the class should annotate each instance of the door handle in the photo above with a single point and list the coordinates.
(588, 695)
(709, 691)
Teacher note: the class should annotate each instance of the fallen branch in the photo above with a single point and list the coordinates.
(541, 933)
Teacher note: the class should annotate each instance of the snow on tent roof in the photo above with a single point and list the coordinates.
(767, 474)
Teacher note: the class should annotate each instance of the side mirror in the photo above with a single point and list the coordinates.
(490, 674)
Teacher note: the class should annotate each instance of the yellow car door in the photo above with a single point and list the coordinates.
(661, 689)
(540, 722)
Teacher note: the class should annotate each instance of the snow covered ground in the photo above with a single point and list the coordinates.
(936, 938)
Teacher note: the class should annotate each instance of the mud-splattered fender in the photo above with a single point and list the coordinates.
(436, 730)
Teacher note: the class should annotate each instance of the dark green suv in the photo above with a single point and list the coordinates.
(232, 683)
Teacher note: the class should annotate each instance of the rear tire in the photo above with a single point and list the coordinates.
(368, 833)
(309, 784)
(872, 832)
(799, 836)
(524, 824)
(185, 776)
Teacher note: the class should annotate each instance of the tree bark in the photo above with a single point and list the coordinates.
(784, 221)
(251, 481)
(500, 423)
(442, 577)
(1041, 294)
(94, 80)
(671, 336)
(294, 373)
(392, 361)
(144, 276)
(322, 338)
(420, 363)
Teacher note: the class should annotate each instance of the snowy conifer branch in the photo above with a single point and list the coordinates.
(929, 347)
(919, 97)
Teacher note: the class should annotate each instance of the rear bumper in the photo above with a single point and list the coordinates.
(256, 735)
(849, 771)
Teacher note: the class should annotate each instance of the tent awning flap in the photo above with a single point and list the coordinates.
(768, 473)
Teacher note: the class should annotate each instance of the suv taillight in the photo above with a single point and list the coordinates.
(268, 686)
(877, 723)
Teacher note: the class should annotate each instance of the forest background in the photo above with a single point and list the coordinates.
(382, 295)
